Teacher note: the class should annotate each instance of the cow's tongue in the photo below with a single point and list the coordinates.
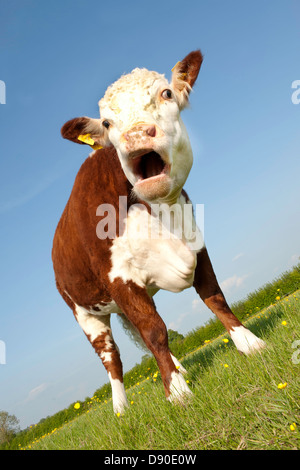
(151, 165)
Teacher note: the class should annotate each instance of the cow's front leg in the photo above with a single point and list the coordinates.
(141, 312)
(98, 331)
(206, 284)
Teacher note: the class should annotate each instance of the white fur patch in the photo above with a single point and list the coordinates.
(245, 341)
(100, 309)
(151, 253)
(178, 388)
(110, 307)
(118, 395)
(136, 98)
(105, 356)
(91, 324)
(131, 97)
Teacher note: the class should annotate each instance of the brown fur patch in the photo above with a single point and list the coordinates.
(207, 286)
(114, 365)
(186, 71)
(81, 260)
(190, 66)
(73, 128)
(141, 312)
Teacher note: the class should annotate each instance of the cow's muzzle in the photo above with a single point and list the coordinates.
(141, 136)
(148, 160)
(144, 145)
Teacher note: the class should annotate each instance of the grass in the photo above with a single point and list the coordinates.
(236, 402)
(181, 346)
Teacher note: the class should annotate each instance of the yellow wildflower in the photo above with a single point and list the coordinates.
(293, 426)
(77, 406)
(225, 365)
(277, 298)
(118, 415)
(281, 386)
(284, 323)
(225, 340)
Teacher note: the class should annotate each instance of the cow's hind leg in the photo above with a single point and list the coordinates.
(98, 331)
(207, 286)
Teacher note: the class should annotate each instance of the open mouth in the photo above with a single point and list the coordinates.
(149, 165)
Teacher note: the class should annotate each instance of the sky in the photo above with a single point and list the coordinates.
(56, 60)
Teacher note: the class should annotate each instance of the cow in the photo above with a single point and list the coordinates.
(112, 249)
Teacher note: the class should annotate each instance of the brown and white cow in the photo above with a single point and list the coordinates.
(112, 249)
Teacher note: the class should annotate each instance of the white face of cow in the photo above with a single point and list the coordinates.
(142, 113)
(140, 117)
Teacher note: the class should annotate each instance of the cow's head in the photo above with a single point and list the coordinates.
(140, 117)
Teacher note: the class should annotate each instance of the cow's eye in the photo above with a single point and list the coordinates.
(166, 94)
(106, 124)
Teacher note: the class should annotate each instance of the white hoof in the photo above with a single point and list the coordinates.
(120, 407)
(119, 398)
(245, 341)
(179, 391)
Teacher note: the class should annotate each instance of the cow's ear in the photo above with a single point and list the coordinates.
(185, 74)
(84, 130)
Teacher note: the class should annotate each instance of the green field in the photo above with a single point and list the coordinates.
(236, 402)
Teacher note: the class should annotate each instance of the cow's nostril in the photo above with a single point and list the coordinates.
(151, 131)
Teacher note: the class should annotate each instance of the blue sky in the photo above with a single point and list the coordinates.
(57, 59)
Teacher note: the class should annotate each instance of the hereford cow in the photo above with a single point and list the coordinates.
(112, 248)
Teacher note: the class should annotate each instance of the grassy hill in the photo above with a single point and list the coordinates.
(237, 402)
